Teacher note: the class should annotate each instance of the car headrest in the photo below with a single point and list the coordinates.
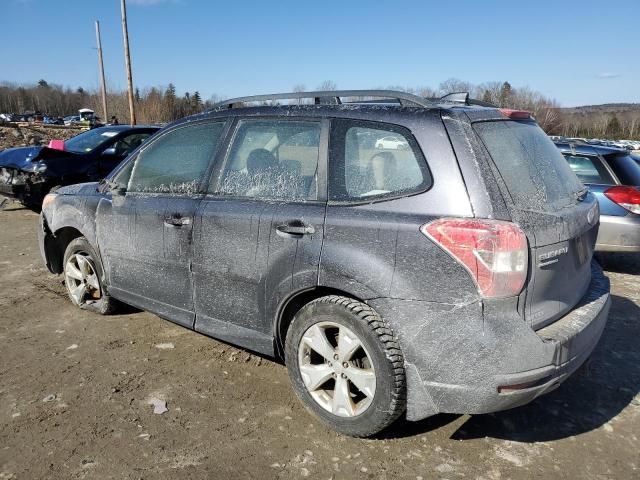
(260, 160)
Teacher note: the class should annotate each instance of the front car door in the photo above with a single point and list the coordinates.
(259, 231)
(145, 233)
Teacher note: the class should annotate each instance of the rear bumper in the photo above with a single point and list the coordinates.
(460, 357)
(619, 233)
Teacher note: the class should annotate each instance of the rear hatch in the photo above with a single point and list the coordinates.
(552, 207)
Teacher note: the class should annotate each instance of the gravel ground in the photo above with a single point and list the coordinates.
(75, 393)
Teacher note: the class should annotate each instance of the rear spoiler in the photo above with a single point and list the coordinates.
(464, 99)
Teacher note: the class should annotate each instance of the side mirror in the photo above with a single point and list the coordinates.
(118, 191)
(110, 152)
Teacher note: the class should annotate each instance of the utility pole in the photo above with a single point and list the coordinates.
(102, 81)
(127, 57)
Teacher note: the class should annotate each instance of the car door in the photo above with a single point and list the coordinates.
(145, 232)
(258, 235)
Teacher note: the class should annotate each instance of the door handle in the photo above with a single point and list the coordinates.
(295, 229)
(177, 221)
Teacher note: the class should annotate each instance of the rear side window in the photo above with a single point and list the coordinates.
(626, 168)
(374, 160)
(177, 161)
(273, 159)
(589, 169)
(534, 171)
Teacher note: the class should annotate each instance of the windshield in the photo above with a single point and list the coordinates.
(88, 141)
(534, 171)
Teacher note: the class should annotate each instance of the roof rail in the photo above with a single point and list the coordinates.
(329, 96)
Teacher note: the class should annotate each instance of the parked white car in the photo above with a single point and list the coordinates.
(392, 143)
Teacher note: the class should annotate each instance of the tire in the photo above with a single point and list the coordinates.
(84, 278)
(367, 353)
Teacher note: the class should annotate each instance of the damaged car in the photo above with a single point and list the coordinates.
(27, 174)
(454, 275)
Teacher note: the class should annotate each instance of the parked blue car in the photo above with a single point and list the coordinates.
(613, 175)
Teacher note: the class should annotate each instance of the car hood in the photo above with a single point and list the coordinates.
(86, 189)
(23, 157)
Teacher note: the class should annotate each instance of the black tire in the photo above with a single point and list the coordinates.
(104, 305)
(379, 344)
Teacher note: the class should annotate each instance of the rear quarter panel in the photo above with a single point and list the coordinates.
(376, 249)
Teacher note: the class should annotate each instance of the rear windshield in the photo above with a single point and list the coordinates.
(626, 168)
(534, 171)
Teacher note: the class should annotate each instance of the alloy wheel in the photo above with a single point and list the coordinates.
(81, 279)
(336, 369)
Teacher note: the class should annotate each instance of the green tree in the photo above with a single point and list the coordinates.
(196, 101)
(170, 103)
(505, 94)
(613, 129)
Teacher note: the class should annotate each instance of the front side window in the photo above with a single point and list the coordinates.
(273, 159)
(589, 169)
(177, 161)
(369, 161)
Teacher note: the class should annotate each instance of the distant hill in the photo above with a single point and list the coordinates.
(604, 108)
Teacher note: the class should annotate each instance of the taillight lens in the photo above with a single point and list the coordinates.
(626, 197)
(515, 114)
(493, 251)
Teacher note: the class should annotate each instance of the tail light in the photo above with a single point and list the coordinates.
(494, 252)
(515, 114)
(626, 197)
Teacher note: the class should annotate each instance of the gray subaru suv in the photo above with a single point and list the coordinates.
(403, 256)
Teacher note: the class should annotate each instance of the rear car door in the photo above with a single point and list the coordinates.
(145, 234)
(555, 210)
(259, 230)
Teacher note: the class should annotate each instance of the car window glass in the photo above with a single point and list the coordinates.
(625, 168)
(273, 159)
(376, 162)
(532, 168)
(589, 169)
(127, 144)
(177, 161)
(88, 141)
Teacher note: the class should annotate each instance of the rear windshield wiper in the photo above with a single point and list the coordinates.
(581, 194)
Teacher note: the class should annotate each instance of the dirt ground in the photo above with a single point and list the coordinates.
(33, 135)
(75, 390)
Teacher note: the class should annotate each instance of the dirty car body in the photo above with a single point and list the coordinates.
(237, 264)
(27, 174)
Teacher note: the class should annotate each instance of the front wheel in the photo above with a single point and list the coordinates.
(346, 365)
(84, 278)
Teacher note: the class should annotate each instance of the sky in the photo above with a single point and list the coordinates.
(578, 52)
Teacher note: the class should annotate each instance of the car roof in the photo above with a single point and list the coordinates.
(586, 148)
(122, 128)
(383, 112)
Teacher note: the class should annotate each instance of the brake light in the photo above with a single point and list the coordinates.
(515, 114)
(627, 197)
(494, 252)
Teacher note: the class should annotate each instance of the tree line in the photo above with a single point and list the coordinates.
(164, 104)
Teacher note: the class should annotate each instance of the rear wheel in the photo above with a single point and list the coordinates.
(346, 366)
(84, 278)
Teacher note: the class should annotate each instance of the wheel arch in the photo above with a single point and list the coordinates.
(55, 245)
(292, 304)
